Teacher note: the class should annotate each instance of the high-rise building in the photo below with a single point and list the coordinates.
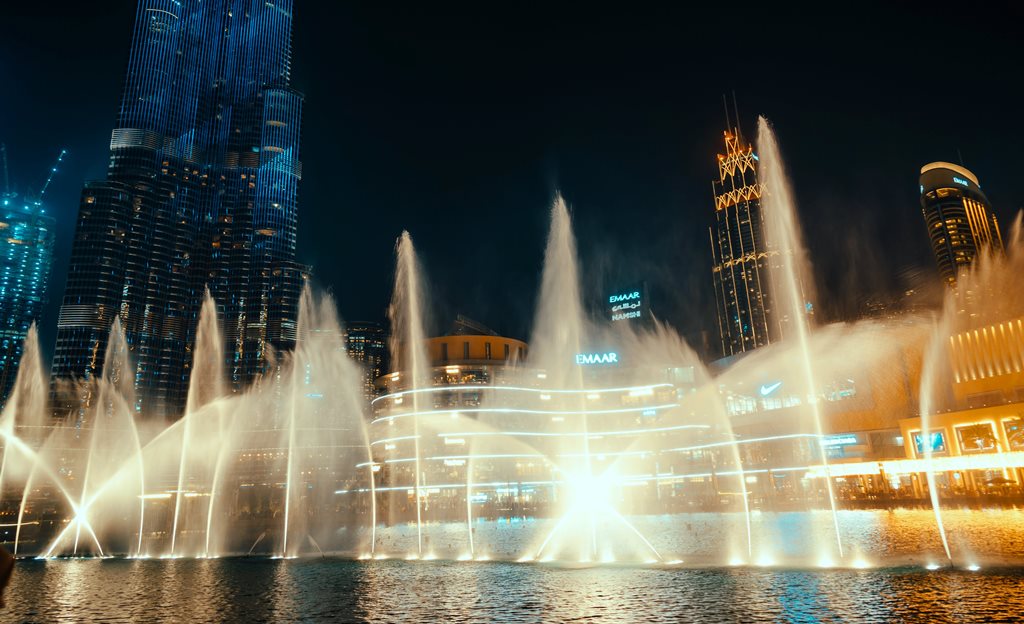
(201, 192)
(958, 217)
(741, 260)
(367, 343)
(26, 256)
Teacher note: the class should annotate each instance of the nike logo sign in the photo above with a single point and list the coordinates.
(767, 389)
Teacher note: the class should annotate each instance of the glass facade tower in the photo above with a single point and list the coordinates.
(741, 260)
(201, 192)
(366, 342)
(26, 256)
(958, 217)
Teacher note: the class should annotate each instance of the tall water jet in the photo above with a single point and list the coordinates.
(206, 387)
(331, 433)
(117, 400)
(407, 351)
(25, 408)
(932, 356)
(792, 281)
(292, 413)
(26, 405)
(108, 422)
(558, 335)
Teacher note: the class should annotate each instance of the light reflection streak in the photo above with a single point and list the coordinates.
(571, 434)
(516, 410)
(466, 387)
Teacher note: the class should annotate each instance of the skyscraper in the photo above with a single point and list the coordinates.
(201, 192)
(26, 256)
(741, 260)
(366, 342)
(958, 217)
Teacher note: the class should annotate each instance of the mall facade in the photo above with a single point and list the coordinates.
(485, 432)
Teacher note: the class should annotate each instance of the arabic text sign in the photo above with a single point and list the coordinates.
(628, 304)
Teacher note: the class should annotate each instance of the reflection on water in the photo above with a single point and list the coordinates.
(268, 590)
(255, 590)
(899, 536)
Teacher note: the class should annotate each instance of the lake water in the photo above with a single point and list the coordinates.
(257, 589)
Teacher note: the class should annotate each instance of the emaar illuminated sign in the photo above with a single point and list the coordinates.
(628, 304)
(633, 296)
(586, 359)
(961, 181)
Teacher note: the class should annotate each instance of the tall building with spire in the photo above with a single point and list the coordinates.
(958, 216)
(201, 192)
(741, 260)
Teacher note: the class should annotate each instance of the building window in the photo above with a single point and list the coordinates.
(465, 350)
(487, 351)
(506, 350)
(444, 351)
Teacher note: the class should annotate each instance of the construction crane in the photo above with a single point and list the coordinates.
(37, 201)
(49, 178)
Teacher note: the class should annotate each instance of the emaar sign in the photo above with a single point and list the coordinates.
(628, 304)
(632, 296)
(586, 359)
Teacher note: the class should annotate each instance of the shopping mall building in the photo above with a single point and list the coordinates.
(485, 430)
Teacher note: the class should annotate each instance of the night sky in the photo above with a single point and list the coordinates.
(459, 124)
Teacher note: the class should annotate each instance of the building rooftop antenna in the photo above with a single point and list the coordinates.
(49, 178)
(725, 104)
(736, 110)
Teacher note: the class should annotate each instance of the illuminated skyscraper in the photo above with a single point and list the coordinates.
(958, 217)
(741, 261)
(367, 343)
(26, 256)
(201, 191)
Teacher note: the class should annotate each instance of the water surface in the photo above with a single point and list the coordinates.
(315, 590)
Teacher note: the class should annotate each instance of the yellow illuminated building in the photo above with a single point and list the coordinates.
(958, 216)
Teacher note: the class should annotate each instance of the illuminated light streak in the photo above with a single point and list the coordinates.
(554, 531)
(699, 447)
(403, 460)
(449, 486)
(632, 528)
(515, 410)
(571, 434)
(398, 439)
(472, 388)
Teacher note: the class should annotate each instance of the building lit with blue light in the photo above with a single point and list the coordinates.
(26, 256)
(201, 192)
